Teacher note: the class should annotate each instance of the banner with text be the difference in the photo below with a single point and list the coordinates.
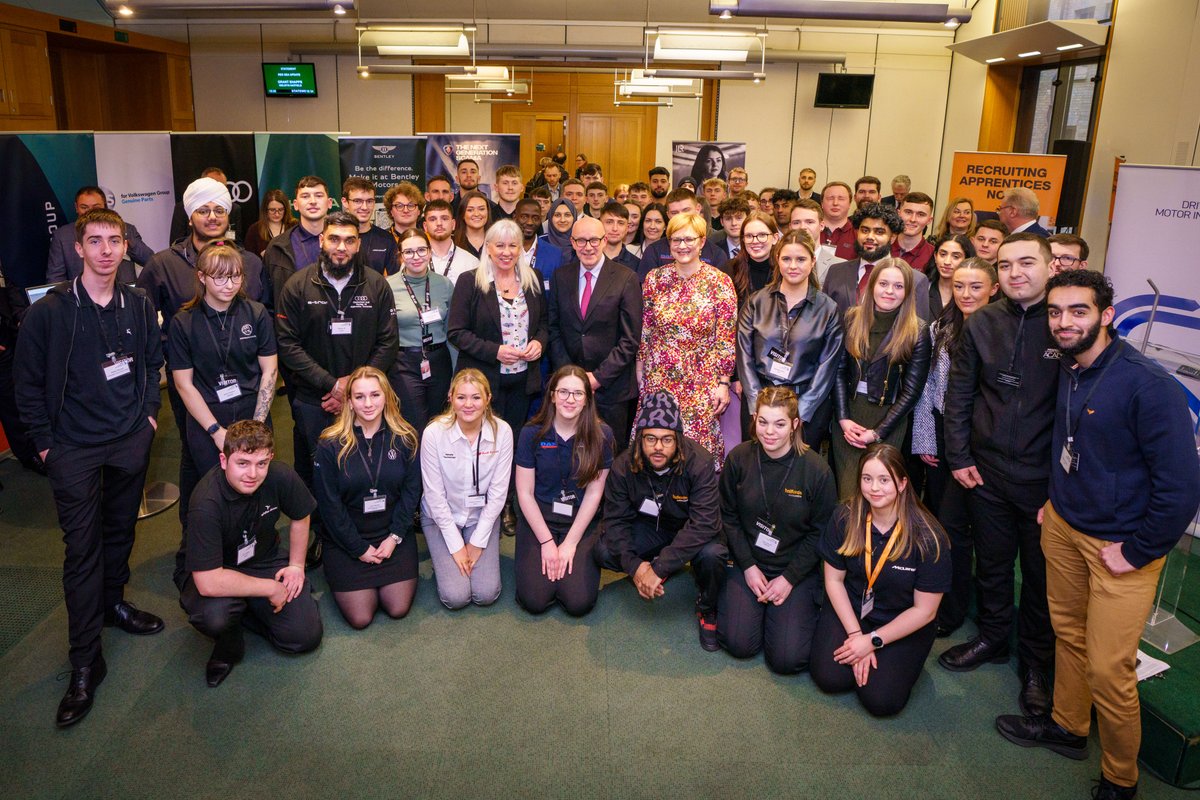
(983, 177)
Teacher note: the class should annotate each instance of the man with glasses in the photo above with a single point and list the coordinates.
(1070, 252)
(378, 247)
(403, 203)
(446, 258)
(658, 254)
(1019, 209)
(739, 179)
(662, 509)
(169, 280)
(179, 218)
(595, 317)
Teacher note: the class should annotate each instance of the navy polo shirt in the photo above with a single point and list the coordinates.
(552, 460)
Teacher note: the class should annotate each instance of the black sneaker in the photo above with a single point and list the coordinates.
(1042, 732)
(708, 632)
(1107, 790)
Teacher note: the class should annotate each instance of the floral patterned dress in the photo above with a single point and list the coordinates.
(689, 327)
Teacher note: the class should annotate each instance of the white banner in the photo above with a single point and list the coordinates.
(134, 169)
(1156, 216)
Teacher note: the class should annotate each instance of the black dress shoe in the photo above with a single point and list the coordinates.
(131, 619)
(969, 655)
(1107, 790)
(216, 671)
(508, 521)
(1042, 732)
(77, 702)
(1034, 699)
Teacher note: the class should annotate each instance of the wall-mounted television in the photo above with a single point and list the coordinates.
(843, 90)
(294, 79)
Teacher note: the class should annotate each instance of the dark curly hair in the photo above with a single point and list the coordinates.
(889, 215)
(1100, 285)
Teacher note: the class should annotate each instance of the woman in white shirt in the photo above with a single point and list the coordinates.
(466, 461)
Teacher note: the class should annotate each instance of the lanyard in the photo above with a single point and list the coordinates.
(374, 476)
(449, 259)
(769, 505)
(887, 550)
(420, 309)
(532, 253)
(786, 330)
(231, 314)
(1072, 428)
(475, 466)
(337, 297)
(108, 348)
(249, 520)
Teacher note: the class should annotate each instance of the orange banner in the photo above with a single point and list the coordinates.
(983, 177)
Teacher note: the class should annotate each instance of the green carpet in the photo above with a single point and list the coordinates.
(482, 703)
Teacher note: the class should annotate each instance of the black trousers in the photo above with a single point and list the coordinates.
(310, 420)
(575, 592)
(947, 499)
(1004, 519)
(510, 402)
(297, 628)
(783, 633)
(97, 491)
(889, 685)
(616, 416)
(421, 400)
(10, 418)
(189, 476)
(708, 566)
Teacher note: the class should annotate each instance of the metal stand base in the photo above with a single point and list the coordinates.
(157, 498)
(1167, 633)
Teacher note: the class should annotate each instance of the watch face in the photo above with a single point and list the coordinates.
(877, 641)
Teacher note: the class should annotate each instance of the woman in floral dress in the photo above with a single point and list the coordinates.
(689, 323)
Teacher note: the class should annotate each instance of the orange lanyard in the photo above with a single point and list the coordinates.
(887, 549)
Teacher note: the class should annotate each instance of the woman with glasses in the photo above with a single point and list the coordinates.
(562, 459)
(689, 323)
(472, 222)
(751, 269)
(403, 204)
(222, 359)
(422, 370)
(275, 218)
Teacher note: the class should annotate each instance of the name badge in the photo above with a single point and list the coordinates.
(868, 604)
(117, 367)
(341, 327)
(780, 370)
(766, 536)
(1068, 460)
(476, 500)
(426, 370)
(649, 508)
(373, 504)
(431, 316)
(546, 284)
(563, 509)
(228, 389)
(1006, 378)
(246, 551)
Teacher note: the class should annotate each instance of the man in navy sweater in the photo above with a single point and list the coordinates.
(1123, 489)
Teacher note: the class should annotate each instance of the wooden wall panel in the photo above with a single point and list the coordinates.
(1001, 95)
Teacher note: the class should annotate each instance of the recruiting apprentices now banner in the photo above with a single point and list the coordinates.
(983, 177)
(41, 173)
(491, 151)
(134, 170)
(703, 160)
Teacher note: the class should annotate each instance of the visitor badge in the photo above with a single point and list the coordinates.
(476, 500)
(861, 388)
(563, 509)
(431, 316)
(868, 604)
(1068, 460)
(766, 536)
(780, 370)
(1006, 378)
(373, 504)
(228, 389)
(649, 507)
(246, 551)
(117, 367)
(341, 327)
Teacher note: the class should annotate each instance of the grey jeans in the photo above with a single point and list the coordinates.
(455, 591)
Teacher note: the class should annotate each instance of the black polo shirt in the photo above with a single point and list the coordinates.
(552, 460)
(378, 249)
(212, 344)
(221, 520)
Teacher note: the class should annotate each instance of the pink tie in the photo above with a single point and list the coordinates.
(587, 293)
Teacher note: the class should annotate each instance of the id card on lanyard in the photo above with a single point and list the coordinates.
(427, 316)
(374, 502)
(868, 599)
(477, 499)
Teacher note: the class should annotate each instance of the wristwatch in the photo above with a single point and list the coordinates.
(876, 641)
(211, 429)
(395, 537)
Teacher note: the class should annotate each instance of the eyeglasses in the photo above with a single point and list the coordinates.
(1066, 261)
(1001, 208)
(217, 212)
(684, 241)
(404, 206)
(361, 201)
(569, 394)
(415, 252)
(754, 238)
(224, 280)
(666, 441)
(592, 242)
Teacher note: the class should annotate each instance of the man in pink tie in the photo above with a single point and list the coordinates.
(595, 310)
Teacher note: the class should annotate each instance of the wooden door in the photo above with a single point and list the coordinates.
(27, 64)
(523, 123)
(612, 140)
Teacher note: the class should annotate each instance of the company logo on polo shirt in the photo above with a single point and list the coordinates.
(793, 493)
(269, 509)
(1052, 353)
(904, 569)
(547, 445)
(392, 454)
(361, 301)
(247, 329)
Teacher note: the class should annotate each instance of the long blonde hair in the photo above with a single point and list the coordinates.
(469, 375)
(342, 429)
(905, 329)
(484, 273)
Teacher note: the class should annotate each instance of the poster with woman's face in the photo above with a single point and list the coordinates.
(700, 161)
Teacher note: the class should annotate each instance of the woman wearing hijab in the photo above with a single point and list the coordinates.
(554, 247)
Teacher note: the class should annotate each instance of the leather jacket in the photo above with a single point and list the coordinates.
(899, 384)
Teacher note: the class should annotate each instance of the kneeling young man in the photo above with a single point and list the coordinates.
(662, 509)
(231, 570)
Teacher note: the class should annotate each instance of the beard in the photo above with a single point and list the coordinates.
(1083, 344)
(332, 269)
(883, 251)
(658, 192)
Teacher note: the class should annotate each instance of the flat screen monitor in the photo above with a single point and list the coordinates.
(35, 293)
(843, 90)
(290, 80)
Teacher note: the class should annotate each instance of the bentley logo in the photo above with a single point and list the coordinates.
(383, 148)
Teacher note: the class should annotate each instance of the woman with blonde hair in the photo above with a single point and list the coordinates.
(466, 461)
(887, 566)
(958, 219)
(367, 484)
(884, 364)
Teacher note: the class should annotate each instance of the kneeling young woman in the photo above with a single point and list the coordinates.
(887, 564)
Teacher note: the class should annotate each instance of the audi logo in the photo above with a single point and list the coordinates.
(240, 191)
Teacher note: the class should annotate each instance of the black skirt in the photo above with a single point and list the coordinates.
(345, 573)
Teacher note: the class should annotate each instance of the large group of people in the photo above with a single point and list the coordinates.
(848, 416)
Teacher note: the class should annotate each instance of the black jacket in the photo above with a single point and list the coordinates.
(314, 357)
(279, 262)
(1005, 429)
(897, 384)
(691, 508)
(473, 326)
(606, 342)
(48, 335)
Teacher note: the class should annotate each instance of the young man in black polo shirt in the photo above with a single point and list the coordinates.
(378, 247)
(231, 570)
(87, 388)
(294, 249)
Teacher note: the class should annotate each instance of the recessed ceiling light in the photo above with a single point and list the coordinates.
(996, 60)
(1075, 46)
(1030, 54)
(339, 9)
(125, 11)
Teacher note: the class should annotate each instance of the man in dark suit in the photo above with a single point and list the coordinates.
(595, 310)
(1019, 210)
(875, 226)
(64, 263)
